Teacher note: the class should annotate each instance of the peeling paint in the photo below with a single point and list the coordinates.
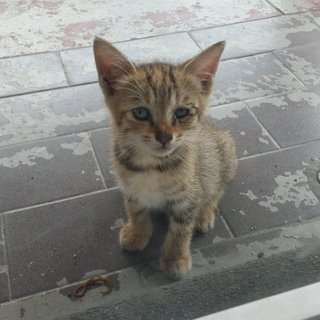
(67, 26)
(26, 157)
(312, 172)
(62, 282)
(304, 69)
(270, 77)
(263, 140)
(274, 33)
(79, 148)
(117, 224)
(291, 188)
(198, 259)
(228, 111)
(296, 5)
(44, 114)
(249, 194)
(97, 173)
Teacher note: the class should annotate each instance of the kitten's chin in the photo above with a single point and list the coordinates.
(163, 152)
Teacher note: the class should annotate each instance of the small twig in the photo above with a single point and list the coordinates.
(81, 290)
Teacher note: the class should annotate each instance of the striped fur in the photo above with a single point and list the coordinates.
(185, 176)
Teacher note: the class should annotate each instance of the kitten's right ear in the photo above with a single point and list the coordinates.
(204, 66)
(111, 64)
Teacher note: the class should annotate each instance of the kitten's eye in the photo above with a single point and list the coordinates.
(141, 113)
(181, 112)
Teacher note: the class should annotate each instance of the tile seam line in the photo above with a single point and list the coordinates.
(299, 46)
(257, 98)
(194, 41)
(63, 68)
(277, 14)
(263, 127)
(60, 200)
(211, 105)
(46, 90)
(299, 145)
(292, 74)
(96, 161)
(275, 7)
(264, 231)
(232, 234)
(51, 138)
(33, 91)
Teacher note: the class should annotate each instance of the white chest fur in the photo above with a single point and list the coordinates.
(150, 189)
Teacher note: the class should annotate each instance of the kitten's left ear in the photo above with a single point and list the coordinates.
(204, 66)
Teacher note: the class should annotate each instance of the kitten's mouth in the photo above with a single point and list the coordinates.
(164, 150)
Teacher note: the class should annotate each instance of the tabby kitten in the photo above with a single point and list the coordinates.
(166, 155)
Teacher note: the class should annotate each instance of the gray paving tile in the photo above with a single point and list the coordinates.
(292, 118)
(250, 137)
(51, 113)
(46, 170)
(31, 73)
(273, 190)
(274, 33)
(252, 77)
(102, 145)
(304, 62)
(293, 6)
(80, 67)
(4, 292)
(56, 244)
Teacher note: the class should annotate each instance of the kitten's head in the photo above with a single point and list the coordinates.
(156, 106)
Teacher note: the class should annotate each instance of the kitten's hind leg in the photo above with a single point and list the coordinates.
(135, 234)
(206, 217)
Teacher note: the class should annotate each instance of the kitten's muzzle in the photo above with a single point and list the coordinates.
(163, 137)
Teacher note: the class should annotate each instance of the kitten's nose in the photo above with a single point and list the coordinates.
(163, 137)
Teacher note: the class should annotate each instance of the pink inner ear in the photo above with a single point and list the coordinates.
(111, 67)
(205, 64)
(206, 74)
(111, 63)
(103, 63)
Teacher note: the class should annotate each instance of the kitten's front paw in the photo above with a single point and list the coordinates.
(132, 238)
(177, 267)
(205, 222)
